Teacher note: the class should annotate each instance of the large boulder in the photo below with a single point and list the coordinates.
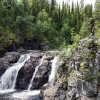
(45, 46)
(9, 57)
(42, 75)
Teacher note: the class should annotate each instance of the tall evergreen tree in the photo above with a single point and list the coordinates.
(97, 17)
(88, 10)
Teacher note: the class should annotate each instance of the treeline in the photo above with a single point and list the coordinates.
(46, 21)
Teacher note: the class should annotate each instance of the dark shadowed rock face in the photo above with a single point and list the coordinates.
(42, 75)
(26, 72)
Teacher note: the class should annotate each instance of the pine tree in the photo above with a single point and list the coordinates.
(88, 10)
(72, 16)
(64, 12)
(97, 10)
(77, 19)
(85, 29)
(97, 17)
(26, 5)
(72, 9)
(59, 14)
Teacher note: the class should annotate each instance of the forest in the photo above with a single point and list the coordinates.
(46, 21)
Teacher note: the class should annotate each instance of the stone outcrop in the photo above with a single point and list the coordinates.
(45, 46)
(56, 89)
(83, 71)
(81, 78)
(9, 57)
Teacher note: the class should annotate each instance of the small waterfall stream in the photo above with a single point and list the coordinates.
(8, 79)
(36, 69)
(52, 75)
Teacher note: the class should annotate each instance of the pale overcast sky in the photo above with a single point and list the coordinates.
(85, 1)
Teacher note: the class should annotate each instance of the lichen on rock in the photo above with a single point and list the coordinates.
(80, 80)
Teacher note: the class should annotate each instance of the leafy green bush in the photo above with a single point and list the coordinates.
(6, 37)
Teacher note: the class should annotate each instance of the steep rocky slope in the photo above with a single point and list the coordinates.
(77, 76)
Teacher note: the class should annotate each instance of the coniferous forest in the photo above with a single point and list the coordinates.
(46, 21)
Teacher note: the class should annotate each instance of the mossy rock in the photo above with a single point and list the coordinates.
(92, 55)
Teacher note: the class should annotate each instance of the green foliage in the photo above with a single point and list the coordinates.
(91, 77)
(84, 31)
(92, 55)
(6, 37)
(88, 11)
(45, 21)
(97, 18)
(83, 67)
(24, 27)
(66, 66)
(76, 38)
(66, 33)
(42, 16)
(97, 10)
(68, 51)
(73, 73)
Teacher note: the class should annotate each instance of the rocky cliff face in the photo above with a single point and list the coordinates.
(77, 77)
(9, 57)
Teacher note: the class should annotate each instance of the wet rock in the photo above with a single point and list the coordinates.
(12, 56)
(26, 72)
(42, 75)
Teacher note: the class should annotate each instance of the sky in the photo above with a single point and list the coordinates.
(85, 1)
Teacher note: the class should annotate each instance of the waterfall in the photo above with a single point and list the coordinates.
(36, 69)
(52, 75)
(8, 79)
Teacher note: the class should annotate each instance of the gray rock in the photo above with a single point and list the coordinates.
(9, 57)
(45, 46)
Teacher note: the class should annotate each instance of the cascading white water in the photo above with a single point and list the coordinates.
(52, 75)
(36, 69)
(8, 79)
